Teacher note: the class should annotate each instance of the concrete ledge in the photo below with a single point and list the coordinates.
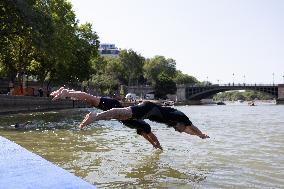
(20, 168)
(15, 104)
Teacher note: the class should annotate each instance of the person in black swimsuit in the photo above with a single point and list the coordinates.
(104, 104)
(148, 110)
(133, 116)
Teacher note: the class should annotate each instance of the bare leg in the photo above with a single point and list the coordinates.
(114, 113)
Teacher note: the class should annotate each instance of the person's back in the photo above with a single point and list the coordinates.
(161, 114)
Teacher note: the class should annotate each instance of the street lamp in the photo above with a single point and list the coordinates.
(233, 79)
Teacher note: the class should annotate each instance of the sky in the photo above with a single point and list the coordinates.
(221, 41)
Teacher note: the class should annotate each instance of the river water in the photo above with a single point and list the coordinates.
(246, 148)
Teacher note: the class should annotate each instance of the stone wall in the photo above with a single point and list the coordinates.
(140, 91)
(14, 104)
(281, 91)
(181, 93)
(280, 99)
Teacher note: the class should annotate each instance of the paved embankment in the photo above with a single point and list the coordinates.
(20, 168)
(15, 104)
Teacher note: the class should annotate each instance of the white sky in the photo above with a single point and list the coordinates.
(208, 38)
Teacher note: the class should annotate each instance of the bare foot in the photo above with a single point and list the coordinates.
(60, 93)
(89, 118)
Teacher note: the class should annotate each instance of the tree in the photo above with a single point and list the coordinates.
(24, 25)
(105, 84)
(85, 47)
(182, 78)
(164, 85)
(115, 68)
(42, 39)
(157, 65)
(246, 95)
(132, 64)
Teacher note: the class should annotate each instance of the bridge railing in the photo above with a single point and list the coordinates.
(234, 85)
(245, 84)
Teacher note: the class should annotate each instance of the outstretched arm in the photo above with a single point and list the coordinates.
(152, 139)
(193, 130)
(77, 95)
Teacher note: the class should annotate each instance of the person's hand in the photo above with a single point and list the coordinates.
(158, 147)
(60, 93)
(204, 136)
(89, 118)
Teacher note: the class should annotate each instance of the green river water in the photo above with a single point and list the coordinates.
(246, 148)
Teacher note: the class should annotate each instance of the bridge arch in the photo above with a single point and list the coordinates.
(201, 92)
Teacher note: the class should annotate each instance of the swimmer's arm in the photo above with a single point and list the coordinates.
(152, 139)
(193, 130)
(78, 95)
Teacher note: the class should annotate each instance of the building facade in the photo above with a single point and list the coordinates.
(107, 49)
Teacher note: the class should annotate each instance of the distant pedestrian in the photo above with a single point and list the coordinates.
(40, 92)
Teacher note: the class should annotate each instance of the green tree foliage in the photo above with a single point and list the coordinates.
(157, 65)
(106, 74)
(115, 68)
(164, 85)
(75, 45)
(43, 39)
(105, 84)
(126, 69)
(182, 78)
(132, 64)
(130, 68)
(17, 36)
(237, 95)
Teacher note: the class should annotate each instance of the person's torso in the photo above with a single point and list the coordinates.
(167, 115)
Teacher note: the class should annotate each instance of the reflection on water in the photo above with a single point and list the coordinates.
(245, 149)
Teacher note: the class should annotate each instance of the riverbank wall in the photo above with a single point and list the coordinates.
(280, 99)
(23, 169)
(16, 104)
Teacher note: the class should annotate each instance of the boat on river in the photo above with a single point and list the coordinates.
(220, 103)
(251, 103)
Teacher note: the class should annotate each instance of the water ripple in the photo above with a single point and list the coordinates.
(245, 149)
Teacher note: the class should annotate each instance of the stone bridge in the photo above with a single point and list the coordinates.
(193, 94)
(196, 93)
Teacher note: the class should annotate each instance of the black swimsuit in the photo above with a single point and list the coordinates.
(139, 125)
(161, 114)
